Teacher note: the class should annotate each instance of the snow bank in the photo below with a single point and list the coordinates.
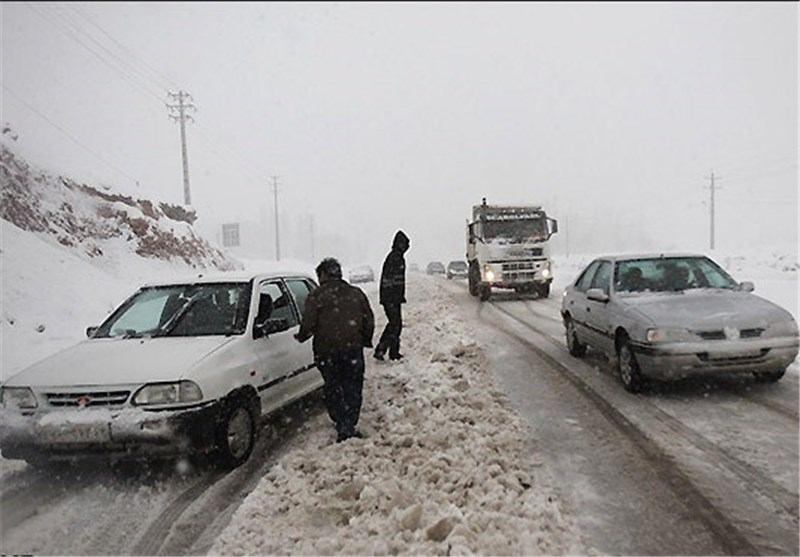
(442, 470)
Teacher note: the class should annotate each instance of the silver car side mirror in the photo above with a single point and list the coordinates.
(747, 286)
(597, 295)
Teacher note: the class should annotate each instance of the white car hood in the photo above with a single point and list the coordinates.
(119, 361)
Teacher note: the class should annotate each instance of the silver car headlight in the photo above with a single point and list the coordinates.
(669, 335)
(786, 328)
(168, 393)
(18, 397)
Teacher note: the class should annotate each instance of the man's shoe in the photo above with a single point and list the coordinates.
(397, 356)
(378, 356)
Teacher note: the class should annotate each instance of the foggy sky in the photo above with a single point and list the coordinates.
(386, 116)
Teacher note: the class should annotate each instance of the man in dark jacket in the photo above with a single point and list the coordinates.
(340, 319)
(393, 294)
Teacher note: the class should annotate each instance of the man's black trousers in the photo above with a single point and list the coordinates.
(390, 338)
(343, 373)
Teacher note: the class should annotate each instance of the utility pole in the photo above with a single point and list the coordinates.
(712, 189)
(311, 233)
(277, 228)
(178, 112)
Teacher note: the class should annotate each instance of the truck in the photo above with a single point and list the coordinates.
(507, 247)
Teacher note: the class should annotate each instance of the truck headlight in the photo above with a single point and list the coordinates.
(168, 393)
(18, 397)
(546, 273)
(488, 273)
(669, 335)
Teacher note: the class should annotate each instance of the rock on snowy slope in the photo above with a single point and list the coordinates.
(71, 253)
(442, 470)
(92, 221)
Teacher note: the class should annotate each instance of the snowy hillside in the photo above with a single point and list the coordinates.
(72, 252)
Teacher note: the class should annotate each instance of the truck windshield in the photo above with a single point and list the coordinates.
(517, 230)
(181, 310)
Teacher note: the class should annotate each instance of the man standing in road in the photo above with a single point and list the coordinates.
(392, 295)
(341, 321)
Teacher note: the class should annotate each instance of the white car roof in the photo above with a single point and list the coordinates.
(227, 276)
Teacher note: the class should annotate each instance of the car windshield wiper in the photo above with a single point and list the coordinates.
(173, 321)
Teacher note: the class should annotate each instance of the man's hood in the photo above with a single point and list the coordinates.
(401, 242)
(118, 361)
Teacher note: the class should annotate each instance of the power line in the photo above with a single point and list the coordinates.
(71, 34)
(141, 83)
(66, 133)
(153, 71)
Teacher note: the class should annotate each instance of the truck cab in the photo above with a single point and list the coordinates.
(507, 247)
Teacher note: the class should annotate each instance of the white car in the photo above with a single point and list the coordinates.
(180, 367)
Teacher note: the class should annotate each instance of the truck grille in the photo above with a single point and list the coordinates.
(720, 334)
(522, 265)
(87, 398)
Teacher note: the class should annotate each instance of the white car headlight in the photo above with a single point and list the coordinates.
(786, 328)
(18, 397)
(669, 335)
(168, 393)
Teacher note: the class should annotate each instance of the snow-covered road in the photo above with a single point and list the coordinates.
(696, 467)
(488, 438)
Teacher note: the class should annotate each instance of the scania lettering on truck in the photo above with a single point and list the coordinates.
(507, 247)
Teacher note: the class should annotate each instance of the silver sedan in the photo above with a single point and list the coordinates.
(672, 316)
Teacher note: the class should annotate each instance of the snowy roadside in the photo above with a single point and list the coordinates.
(443, 469)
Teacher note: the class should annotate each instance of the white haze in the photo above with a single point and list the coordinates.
(386, 116)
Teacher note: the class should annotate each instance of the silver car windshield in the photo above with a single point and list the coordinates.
(672, 274)
(181, 310)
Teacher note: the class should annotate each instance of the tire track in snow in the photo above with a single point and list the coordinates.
(752, 477)
(730, 538)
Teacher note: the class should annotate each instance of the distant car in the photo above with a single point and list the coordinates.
(457, 269)
(179, 367)
(435, 268)
(364, 273)
(414, 268)
(671, 316)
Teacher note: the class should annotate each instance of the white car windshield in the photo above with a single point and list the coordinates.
(181, 310)
(671, 274)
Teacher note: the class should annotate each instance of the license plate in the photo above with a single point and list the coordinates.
(75, 433)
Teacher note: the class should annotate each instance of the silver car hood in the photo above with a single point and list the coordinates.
(702, 310)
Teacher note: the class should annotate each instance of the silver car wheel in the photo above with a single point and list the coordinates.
(240, 433)
(625, 365)
(571, 335)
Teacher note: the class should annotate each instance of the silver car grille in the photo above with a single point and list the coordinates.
(720, 334)
(87, 398)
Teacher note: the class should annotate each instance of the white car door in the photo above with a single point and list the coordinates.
(309, 378)
(279, 355)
